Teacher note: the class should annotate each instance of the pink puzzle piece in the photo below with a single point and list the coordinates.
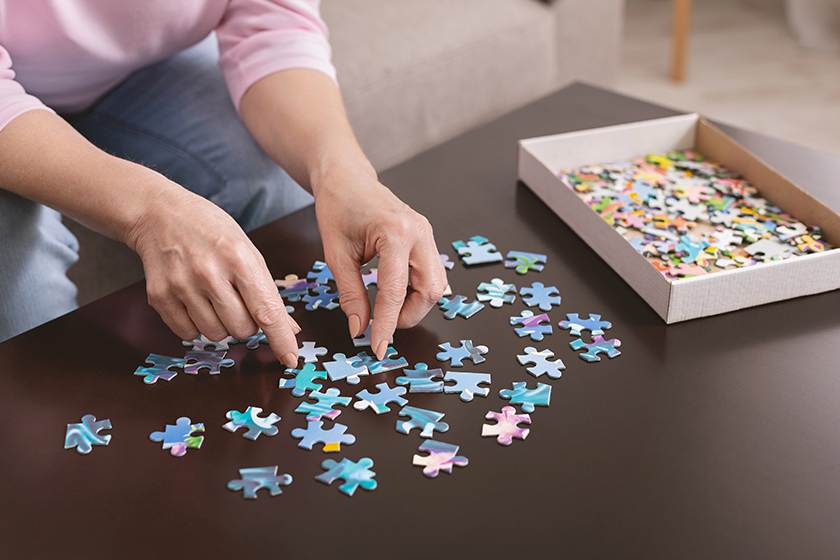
(506, 427)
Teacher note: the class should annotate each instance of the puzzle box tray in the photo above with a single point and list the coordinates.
(541, 159)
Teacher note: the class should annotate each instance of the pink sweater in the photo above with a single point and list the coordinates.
(64, 54)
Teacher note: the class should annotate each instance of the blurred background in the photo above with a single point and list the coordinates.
(771, 66)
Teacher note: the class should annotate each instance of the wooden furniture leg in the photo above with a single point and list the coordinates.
(682, 17)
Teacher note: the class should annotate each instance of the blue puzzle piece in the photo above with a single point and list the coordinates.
(542, 362)
(379, 401)
(543, 296)
(259, 477)
(294, 288)
(253, 342)
(464, 352)
(594, 324)
(456, 306)
(687, 250)
(527, 398)
(82, 436)
(375, 366)
(320, 273)
(323, 299)
(204, 343)
(420, 379)
(531, 325)
(250, 419)
(467, 384)
(523, 262)
(324, 407)
(332, 438)
(179, 438)
(426, 420)
(200, 359)
(598, 344)
(304, 380)
(353, 474)
(342, 368)
(478, 250)
(496, 292)
(161, 368)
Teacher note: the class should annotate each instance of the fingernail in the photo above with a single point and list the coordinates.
(354, 324)
(295, 326)
(381, 349)
(289, 360)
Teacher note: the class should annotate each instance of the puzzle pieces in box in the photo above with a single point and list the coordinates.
(467, 384)
(82, 436)
(342, 368)
(304, 380)
(161, 368)
(531, 325)
(203, 343)
(294, 288)
(255, 478)
(459, 353)
(542, 362)
(421, 379)
(320, 273)
(322, 299)
(597, 346)
(441, 457)
(200, 359)
(426, 420)
(540, 295)
(594, 324)
(251, 420)
(457, 306)
(332, 438)
(379, 401)
(179, 437)
(523, 262)
(310, 353)
(375, 366)
(506, 427)
(768, 249)
(527, 398)
(324, 407)
(478, 250)
(496, 292)
(354, 474)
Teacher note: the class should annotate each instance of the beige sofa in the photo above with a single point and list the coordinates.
(414, 73)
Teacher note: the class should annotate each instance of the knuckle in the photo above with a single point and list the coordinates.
(269, 314)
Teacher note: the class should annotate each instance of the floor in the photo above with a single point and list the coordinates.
(744, 68)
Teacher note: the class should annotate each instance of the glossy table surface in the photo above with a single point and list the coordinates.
(714, 438)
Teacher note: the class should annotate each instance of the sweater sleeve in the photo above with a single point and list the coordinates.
(261, 37)
(14, 101)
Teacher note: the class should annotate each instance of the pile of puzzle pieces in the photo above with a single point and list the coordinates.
(322, 405)
(689, 216)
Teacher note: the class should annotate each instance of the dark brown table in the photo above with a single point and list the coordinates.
(715, 438)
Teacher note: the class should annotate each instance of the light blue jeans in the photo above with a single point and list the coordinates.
(174, 116)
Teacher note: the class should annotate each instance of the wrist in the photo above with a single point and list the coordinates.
(340, 170)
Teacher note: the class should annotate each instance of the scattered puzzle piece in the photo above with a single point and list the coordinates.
(421, 379)
(364, 338)
(426, 420)
(310, 353)
(304, 380)
(354, 474)
(161, 368)
(375, 366)
(324, 407)
(332, 438)
(610, 347)
(200, 359)
(341, 368)
(594, 324)
(379, 401)
(320, 273)
(202, 343)
(447, 264)
(497, 292)
(523, 262)
(259, 477)
(323, 299)
(477, 250)
(179, 438)
(531, 325)
(441, 457)
(456, 306)
(464, 352)
(467, 384)
(527, 398)
(250, 419)
(82, 436)
(294, 288)
(542, 362)
(540, 295)
(253, 342)
(506, 427)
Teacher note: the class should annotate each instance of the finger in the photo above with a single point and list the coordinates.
(352, 293)
(267, 309)
(428, 282)
(175, 315)
(392, 284)
(232, 312)
(204, 317)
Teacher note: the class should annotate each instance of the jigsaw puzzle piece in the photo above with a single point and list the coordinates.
(320, 273)
(441, 457)
(82, 436)
(199, 359)
(179, 437)
(253, 342)
(364, 338)
(542, 362)
(464, 352)
(353, 474)
(310, 353)
(496, 292)
(161, 368)
(251, 420)
(256, 478)
(598, 345)
(594, 324)
(304, 380)
(478, 250)
(203, 343)
(375, 366)
(332, 438)
(467, 384)
(531, 325)
(379, 401)
(527, 398)
(456, 306)
(540, 295)
(421, 379)
(523, 262)
(294, 288)
(371, 278)
(342, 368)
(506, 427)
(323, 299)
(426, 420)
(324, 407)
